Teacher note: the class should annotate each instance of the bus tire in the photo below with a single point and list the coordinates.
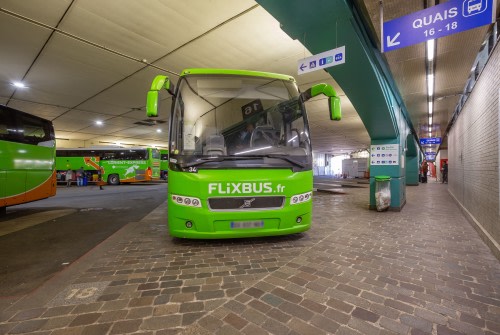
(113, 179)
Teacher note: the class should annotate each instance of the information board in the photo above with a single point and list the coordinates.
(322, 60)
(384, 154)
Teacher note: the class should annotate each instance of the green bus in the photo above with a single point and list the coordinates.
(163, 164)
(27, 158)
(117, 165)
(225, 181)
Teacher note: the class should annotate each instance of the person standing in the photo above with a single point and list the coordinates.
(425, 170)
(69, 177)
(445, 172)
(99, 178)
(79, 176)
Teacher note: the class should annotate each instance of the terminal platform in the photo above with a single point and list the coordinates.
(423, 270)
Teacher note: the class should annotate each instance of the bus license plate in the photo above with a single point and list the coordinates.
(246, 224)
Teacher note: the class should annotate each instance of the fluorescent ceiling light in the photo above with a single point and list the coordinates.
(19, 84)
(430, 129)
(158, 130)
(430, 84)
(430, 50)
(99, 123)
(430, 120)
(430, 107)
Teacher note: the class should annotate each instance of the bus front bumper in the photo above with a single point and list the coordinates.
(200, 223)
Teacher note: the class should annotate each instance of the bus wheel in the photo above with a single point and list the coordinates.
(114, 179)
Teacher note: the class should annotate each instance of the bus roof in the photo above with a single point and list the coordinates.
(21, 112)
(187, 72)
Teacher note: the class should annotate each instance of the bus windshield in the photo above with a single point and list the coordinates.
(239, 121)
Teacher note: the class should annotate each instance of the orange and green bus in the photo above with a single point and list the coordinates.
(117, 165)
(27, 158)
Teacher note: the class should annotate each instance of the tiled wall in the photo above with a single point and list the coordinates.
(473, 154)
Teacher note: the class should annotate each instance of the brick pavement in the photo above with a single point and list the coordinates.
(423, 270)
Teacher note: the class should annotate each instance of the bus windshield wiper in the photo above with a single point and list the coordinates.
(204, 160)
(285, 158)
(201, 161)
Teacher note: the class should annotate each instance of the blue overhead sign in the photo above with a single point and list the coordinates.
(430, 140)
(438, 21)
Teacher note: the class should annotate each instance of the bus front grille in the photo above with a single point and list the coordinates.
(245, 203)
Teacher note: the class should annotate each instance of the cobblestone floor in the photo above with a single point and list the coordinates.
(423, 270)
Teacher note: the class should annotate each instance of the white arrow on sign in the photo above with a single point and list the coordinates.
(392, 42)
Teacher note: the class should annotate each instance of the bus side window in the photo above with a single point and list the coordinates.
(7, 126)
(34, 130)
(4, 132)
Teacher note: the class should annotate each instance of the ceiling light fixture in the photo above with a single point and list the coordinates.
(19, 84)
(430, 85)
(430, 50)
(98, 122)
(429, 66)
(158, 130)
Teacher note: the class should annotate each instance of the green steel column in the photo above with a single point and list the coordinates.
(412, 166)
(324, 25)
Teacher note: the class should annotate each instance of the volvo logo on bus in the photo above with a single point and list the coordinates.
(247, 203)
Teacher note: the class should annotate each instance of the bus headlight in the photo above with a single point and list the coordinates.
(300, 198)
(186, 201)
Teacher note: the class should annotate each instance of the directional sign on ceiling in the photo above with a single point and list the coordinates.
(438, 21)
(320, 61)
(430, 140)
(430, 156)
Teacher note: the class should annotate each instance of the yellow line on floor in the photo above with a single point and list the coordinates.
(11, 226)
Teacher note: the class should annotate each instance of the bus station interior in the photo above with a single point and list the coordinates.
(91, 261)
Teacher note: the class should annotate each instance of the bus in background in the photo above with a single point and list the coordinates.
(163, 164)
(27, 158)
(117, 165)
(240, 157)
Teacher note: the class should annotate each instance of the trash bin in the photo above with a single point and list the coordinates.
(382, 192)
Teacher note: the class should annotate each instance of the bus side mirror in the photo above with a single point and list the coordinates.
(153, 97)
(335, 111)
(333, 99)
(152, 104)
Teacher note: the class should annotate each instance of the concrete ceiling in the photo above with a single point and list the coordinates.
(89, 60)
